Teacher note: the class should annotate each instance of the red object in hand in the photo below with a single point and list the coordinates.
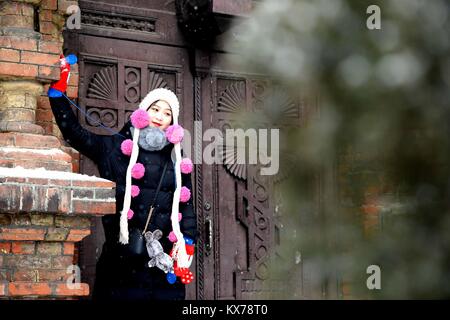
(61, 84)
(185, 275)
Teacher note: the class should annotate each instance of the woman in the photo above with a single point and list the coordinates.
(135, 160)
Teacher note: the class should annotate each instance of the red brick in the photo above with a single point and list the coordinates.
(21, 234)
(18, 43)
(76, 235)
(50, 47)
(29, 288)
(68, 248)
(74, 79)
(51, 73)
(44, 115)
(92, 184)
(5, 247)
(72, 92)
(43, 103)
(9, 55)
(63, 290)
(91, 207)
(40, 58)
(17, 69)
(23, 247)
(35, 140)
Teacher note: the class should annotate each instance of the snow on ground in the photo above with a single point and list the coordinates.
(19, 172)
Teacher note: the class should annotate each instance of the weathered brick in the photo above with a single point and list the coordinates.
(62, 262)
(48, 27)
(76, 235)
(27, 262)
(47, 72)
(19, 247)
(39, 58)
(49, 4)
(18, 43)
(63, 290)
(17, 21)
(104, 194)
(50, 47)
(51, 248)
(27, 198)
(29, 288)
(91, 207)
(25, 275)
(18, 69)
(9, 55)
(5, 247)
(51, 275)
(56, 234)
(22, 219)
(21, 234)
(5, 219)
(36, 141)
(3, 288)
(72, 92)
(68, 248)
(5, 275)
(45, 15)
(83, 193)
(73, 222)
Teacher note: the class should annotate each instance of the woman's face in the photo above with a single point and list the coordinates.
(160, 115)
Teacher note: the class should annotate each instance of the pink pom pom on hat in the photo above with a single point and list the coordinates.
(140, 119)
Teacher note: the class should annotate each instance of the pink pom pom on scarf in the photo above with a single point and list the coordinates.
(127, 147)
(186, 166)
(138, 171)
(185, 194)
(135, 191)
(175, 133)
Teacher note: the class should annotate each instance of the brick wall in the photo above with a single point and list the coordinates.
(41, 220)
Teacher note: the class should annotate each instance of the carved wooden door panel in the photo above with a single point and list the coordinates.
(240, 212)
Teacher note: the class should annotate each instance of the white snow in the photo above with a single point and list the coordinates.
(19, 172)
(49, 152)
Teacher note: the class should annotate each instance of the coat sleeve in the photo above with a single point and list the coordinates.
(84, 141)
(188, 223)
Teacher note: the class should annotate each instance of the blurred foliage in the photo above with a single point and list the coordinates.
(370, 184)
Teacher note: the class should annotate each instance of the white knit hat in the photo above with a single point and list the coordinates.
(179, 251)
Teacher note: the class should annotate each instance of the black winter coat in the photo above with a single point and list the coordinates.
(119, 276)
